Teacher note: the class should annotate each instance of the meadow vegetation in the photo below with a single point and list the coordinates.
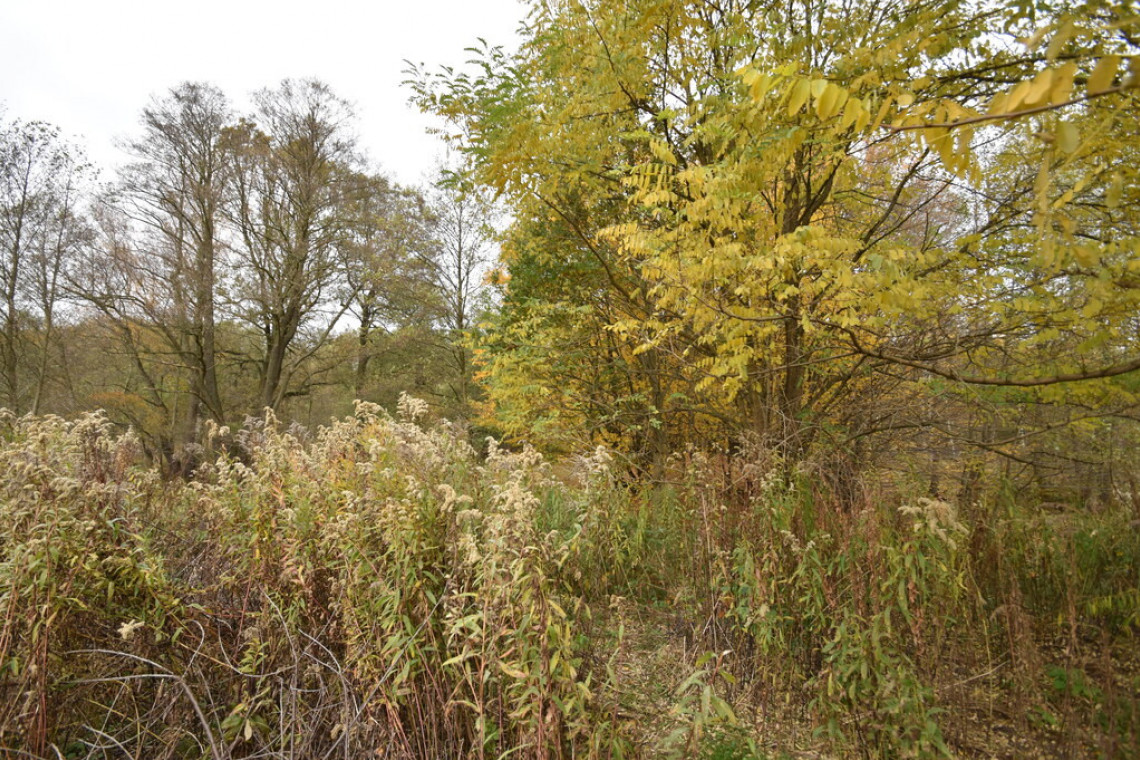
(381, 588)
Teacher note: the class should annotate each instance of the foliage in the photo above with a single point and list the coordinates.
(379, 586)
(758, 217)
(830, 310)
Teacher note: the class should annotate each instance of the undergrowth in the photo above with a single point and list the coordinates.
(382, 590)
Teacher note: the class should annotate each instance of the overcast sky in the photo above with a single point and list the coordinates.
(89, 66)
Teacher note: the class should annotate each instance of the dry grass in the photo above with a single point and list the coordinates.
(380, 590)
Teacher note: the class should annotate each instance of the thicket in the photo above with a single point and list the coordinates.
(380, 588)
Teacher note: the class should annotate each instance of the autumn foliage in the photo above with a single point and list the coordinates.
(797, 417)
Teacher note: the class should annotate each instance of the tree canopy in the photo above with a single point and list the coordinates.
(775, 213)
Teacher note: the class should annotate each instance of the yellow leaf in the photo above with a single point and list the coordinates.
(942, 140)
(1057, 44)
(851, 112)
(825, 105)
(1040, 88)
(863, 121)
(1068, 137)
(935, 136)
(998, 104)
(1063, 83)
(1016, 96)
(760, 85)
(1041, 186)
(1115, 189)
(965, 137)
(1101, 78)
(1034, 39)
(799, 96)
(512, 671)
(841, 97)
(1086, 256)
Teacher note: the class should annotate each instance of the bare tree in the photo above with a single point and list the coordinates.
(299, 182)
(176, 191)
(41, 228)
(154, 278)
(417, 269)
(464, 231)
(143, 378)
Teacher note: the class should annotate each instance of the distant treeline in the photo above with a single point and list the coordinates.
(237, 262)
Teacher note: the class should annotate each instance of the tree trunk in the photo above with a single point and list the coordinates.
(11, 319)
(208, 391)
(791, 394)
(363, 355)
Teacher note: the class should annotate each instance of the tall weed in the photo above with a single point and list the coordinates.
(379, 589)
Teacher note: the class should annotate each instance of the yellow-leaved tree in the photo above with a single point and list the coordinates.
(802, 219)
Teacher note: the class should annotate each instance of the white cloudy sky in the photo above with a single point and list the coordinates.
(89, 66)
